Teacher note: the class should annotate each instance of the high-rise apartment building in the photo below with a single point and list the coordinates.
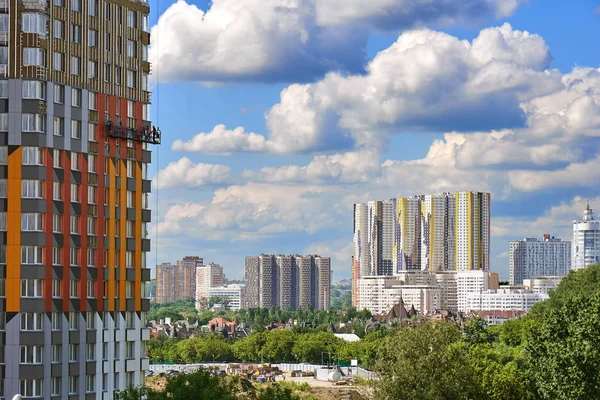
(177, 281)
(442, 232)
(165, 283)
(531, 257)
(208, 276)
(288, 281)
(586, 240)
(74, 135)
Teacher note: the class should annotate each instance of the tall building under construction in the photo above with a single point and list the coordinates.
(74, 136)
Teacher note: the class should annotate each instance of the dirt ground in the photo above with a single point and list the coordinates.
(319, 389)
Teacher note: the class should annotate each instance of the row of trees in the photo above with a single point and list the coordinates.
(185, 309)
(273, 346)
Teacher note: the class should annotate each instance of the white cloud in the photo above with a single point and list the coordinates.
(251, 40)
(574, 175)
(425, 81)
(351, 167)
(289, 40)
(557, 221)
(187, 174)
(223, 141)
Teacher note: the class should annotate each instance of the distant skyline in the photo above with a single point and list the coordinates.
(276, 119)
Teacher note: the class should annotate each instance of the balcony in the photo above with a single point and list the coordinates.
(146, 134)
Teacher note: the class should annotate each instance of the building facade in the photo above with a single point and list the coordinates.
(74, 135)
(586, 240)
(235, 295)
(166, 274)
(531, 257)
(442, 232)
(177, 281)
(293, 281)
(503, 299)
(208, 276)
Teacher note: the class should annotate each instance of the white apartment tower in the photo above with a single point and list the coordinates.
(586, 240)
(531, 257)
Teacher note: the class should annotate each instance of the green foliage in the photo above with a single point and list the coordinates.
(310, 347)
(428, 362)
(563, 348)
(249, 349)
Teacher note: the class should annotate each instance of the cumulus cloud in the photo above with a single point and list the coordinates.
(351, 167)
(187, 174)
(223, 141)
(425, 81)
(290, 40)
(579, 174)
(251, 41)
(557, 220)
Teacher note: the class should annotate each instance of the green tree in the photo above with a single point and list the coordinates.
(563, 346)
(278, 346)
(427, 362)
(250, 348)
(310, 347)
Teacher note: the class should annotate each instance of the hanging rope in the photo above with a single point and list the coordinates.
(158, 124)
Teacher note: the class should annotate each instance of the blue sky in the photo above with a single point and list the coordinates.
(524, 109)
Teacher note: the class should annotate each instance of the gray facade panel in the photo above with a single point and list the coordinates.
(92, 273)
(33, 272)
(32, 304)
(57, 272)
(59, 110)
(75, 272)
(75, 241)
(59, 174)
(76, 145)
(58, 207)
(33, 172)
(130, 274)
(145, 274)
(3, 105)
(31, 106)
(76, 113)
(33, 238)
(131, 245)
(146, 156)
(75, 176)
(131, 184)
(31, 371)
(145, 244)
(31, 338)
(146, 186)
(33, 205)
(33, 139)
(3, 138)
(4, 205)
(130, 214)
(56, 370)
(75, 208)
(130, 304)
(58, 142)
(58, 240)
(3, 171)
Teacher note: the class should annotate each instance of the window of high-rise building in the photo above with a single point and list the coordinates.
(75, 129)
(132, 19)
(74, 257)
(90, 383)
(75, 65)
(2, 287)
(119, 45)
(2, 188)
(90, 350)
(32, 221)
(56, 284)
(32, 189)
(57, 158)
(131, 48)
(119, 16)
(92, 38)
(107, 69)
(33, 155)
(73, 381)
(31, 354)
(31, 387)
(92, 132)
(131, 78)
(59, 65)
(129, 290)
(33, 56)
(3, 122)
(76, 94)
(145, 26)
(93, 8)
(92, 190)
(130, 229)
(56, 351)
(31, 287)
(91, 225)
(92, 69)
(34, 90)
(74, 224)
(59, 3)
(3, 55)
(107, 11)
(33, 122)
(75, 161)
(76, 5)
(92, 258)
(31, 254)
(59, 126)
(55, 384)
(31, 321)
(57, 190)
(59, 29)
(35, 23)
(74, 288)
(59, 90)
(75, 193)
(73, 321)
(3, 85)
(76, 33)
